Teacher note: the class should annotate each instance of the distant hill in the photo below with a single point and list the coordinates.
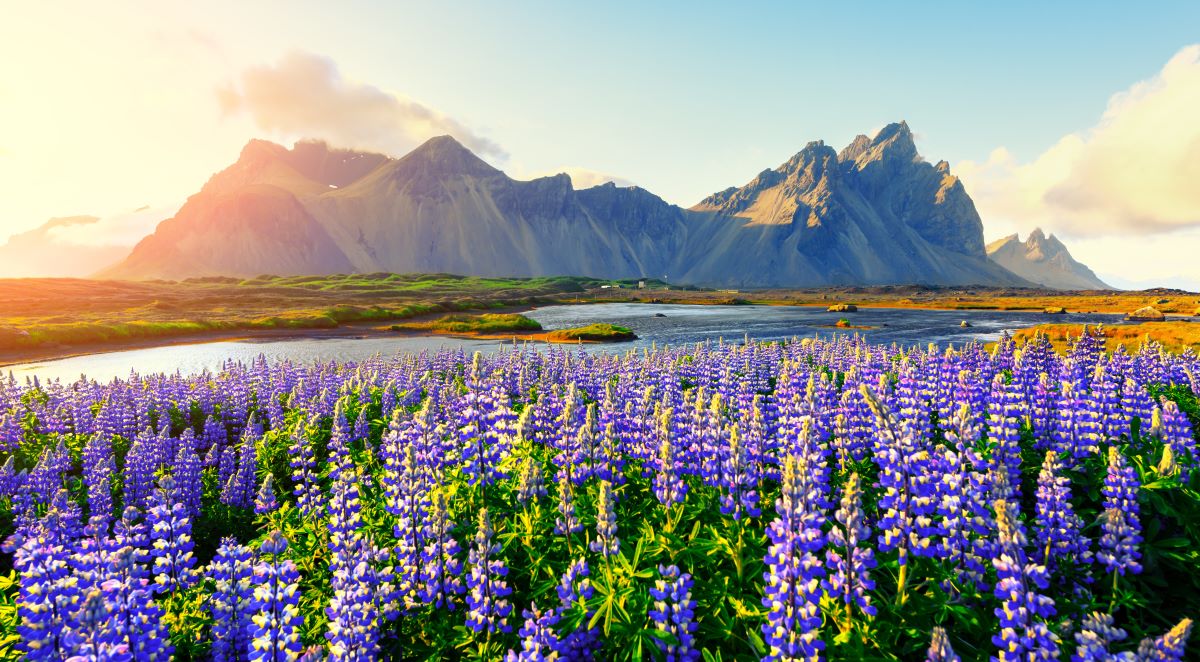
(874, 214)
(1045, 261)
(47, 251)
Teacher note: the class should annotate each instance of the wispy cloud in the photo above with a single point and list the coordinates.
(1135, 172)
(306, 96)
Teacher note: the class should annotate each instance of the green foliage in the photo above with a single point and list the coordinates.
(597, 332)
(485, 323)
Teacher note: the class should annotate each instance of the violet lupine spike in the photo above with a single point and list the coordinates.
(1177, 432)
(673, 611)
(669, 486)
(276, 619)
(567, 521)
(739, 497)
(171, 536)
(606, 543)
(848, 559)
(47, 599)
(441, 568)
(574, 590)
(940, 649)
(309, 497)
(1024, 634)
(187, 474)
(98, 469)
(1122, 527)
(487, 591)
(230, 606)
(792, 591)
(539, 637)
(1058, 531)
(266, 503)
(1170, 647)
(1096, 634)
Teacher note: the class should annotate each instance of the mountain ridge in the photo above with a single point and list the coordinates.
(1045, 261)
(876, 213)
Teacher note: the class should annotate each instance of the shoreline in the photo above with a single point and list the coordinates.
(380, 327)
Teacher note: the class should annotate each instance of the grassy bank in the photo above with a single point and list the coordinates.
(486, 323)
(54, 316)
(593, 333)
(1174, 335)
(44, 318)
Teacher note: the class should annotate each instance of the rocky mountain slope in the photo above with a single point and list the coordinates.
(874, 214)
(1045, 261)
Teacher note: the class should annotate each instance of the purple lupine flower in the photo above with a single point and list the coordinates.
(792, 592)
(353, 612)
(1096, 634)
(539, 638)
(275, 614)
(133, 533)
(406, 500)
(1177, 432)
(849, 560)
(144, 626)
(266, 503)
(606, 543)
(739, 496)
(567, 521)
(673, 612)
(187, 474)
(98, 468)
(1004, 426)
(239, 490)
(1107, 391)
(48, 597)
(574, 590)
(95, 635)
(531, 485)
(1058, 531)
(63, 522)
(1170, 647)
(309, 497)
(669, 486)
(480, 422)
(1137, 405)
(231, 571)
(940, 649)
(487, 591)
(441, 569)
(1119, 551)
(1023, 634)
(171, 536)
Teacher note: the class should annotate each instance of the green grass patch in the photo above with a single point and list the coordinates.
(601, 332)
(486, 323)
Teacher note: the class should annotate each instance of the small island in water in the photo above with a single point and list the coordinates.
(512, 325)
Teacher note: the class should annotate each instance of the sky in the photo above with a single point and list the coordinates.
(1078, 117)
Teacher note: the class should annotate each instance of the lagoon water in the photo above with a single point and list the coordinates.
(677, 325)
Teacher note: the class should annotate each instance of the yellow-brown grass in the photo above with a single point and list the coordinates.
(1173, 335)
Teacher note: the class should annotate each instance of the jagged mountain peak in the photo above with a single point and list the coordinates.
(893, 143)
(1044, 260)
(445, 155)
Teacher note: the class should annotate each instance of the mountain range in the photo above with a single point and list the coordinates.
(1045, 261)
(874, 213)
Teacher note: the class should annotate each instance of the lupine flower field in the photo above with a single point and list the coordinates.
(815, 499)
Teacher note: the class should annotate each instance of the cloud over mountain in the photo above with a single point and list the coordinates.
(1135, 171)
(305, 95)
